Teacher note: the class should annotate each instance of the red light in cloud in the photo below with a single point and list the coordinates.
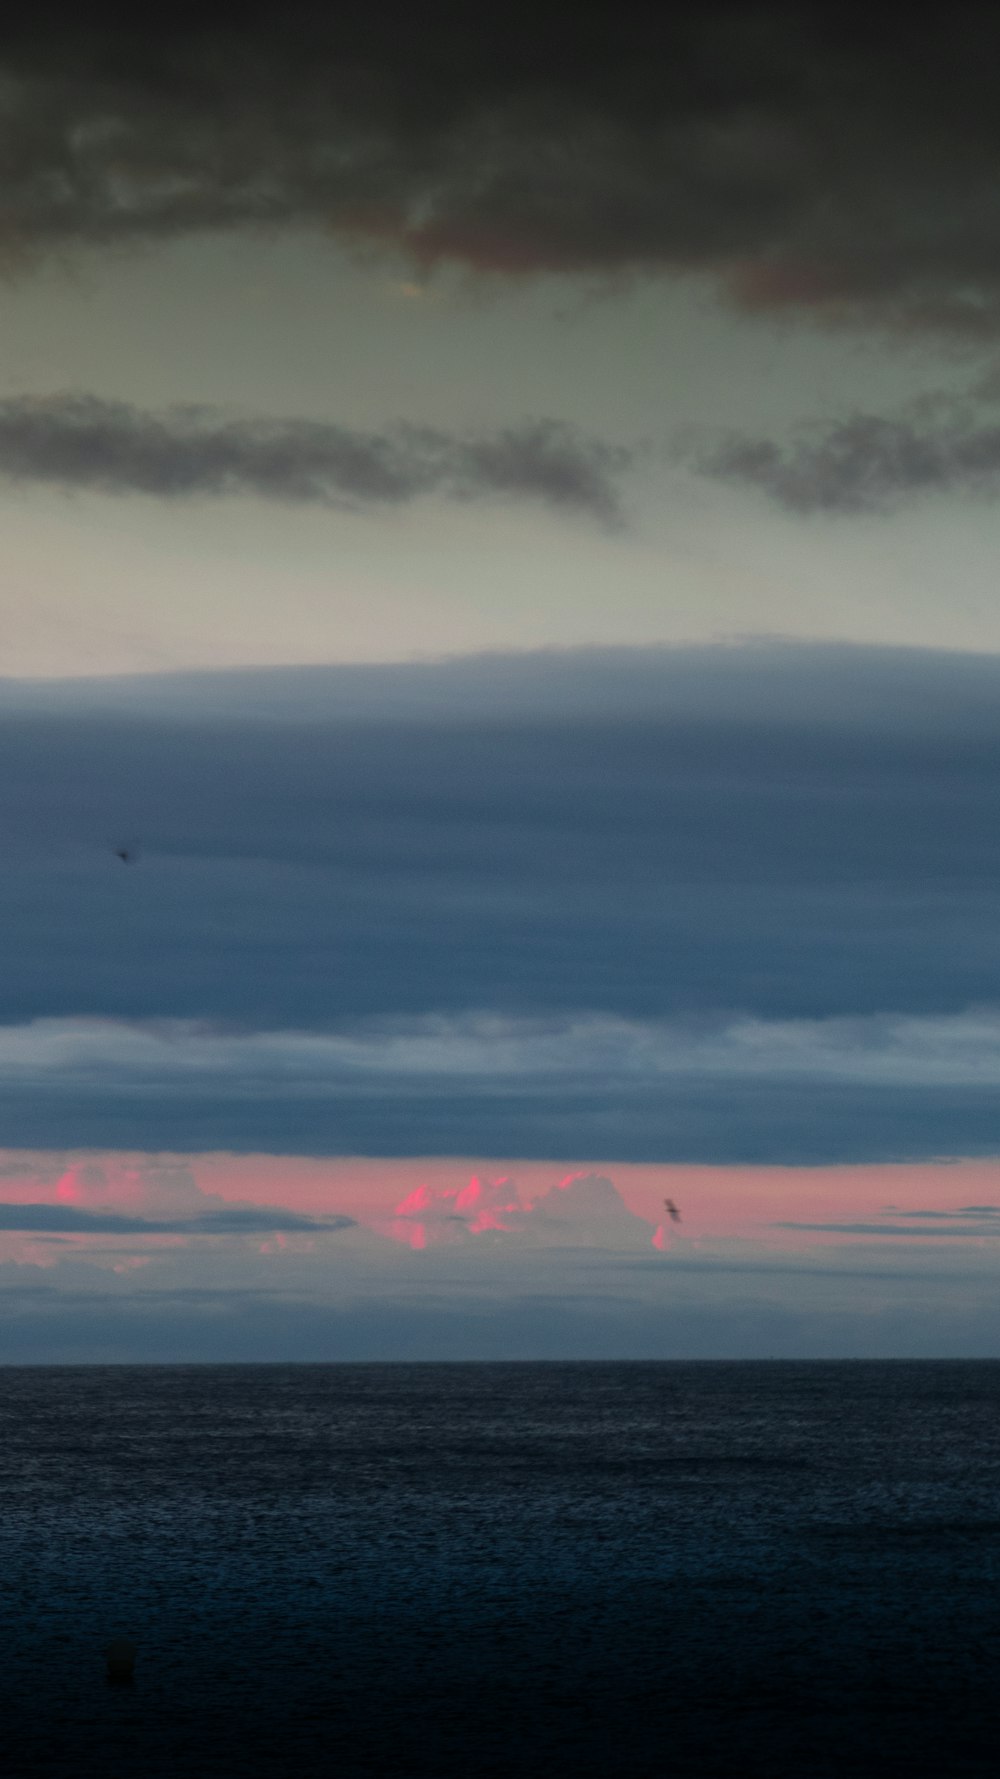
(581, 1208)
(96, 1185)
(438, 1203)
(420, 1199)
(84, 1183)
(408, 1225)
(490, 1204)
(430, 1215)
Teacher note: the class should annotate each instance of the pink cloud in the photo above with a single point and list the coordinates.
(582, 1208)
(85, 1183)
(151, 1186)
(425, 1202)
(490, 1204)
(426, 1216)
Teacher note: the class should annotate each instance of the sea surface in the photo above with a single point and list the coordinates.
(733, 1569)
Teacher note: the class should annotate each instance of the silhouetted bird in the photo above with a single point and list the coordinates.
(671, 1209)
(126, 855)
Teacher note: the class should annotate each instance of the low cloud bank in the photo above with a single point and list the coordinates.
(814, 1320)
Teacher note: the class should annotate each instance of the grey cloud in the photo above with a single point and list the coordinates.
(82, 442)
(436, 1056)
(897, 1229)
(865, 464)
(756, 1122)
(804, 163)
(70, 1219)
(975, 1211)
(584, 1210)
(375, 862)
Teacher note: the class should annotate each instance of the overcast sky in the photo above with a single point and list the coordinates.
(499, 677)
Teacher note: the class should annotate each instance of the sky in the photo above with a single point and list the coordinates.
(499, 684)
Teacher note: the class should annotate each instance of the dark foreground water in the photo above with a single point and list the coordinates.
(478, 1569)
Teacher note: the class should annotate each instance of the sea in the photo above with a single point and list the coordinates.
(478, 1569)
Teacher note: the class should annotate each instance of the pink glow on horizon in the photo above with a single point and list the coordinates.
(423, 1201)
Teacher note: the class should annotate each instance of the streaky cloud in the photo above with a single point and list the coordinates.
(891, 1229)
(83, 442)
(973, 1211)
(237, 1220)
(721, 1089)
(730, 904)
(868, 463)
(436, 1055)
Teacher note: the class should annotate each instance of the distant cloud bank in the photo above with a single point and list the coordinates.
(582, 1210)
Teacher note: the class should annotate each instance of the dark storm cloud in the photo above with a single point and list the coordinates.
(70, 1219)
(731, 904)
(803, 157)
(868, 463)
(82, 442)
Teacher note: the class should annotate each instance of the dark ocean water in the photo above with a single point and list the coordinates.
(482, 1569)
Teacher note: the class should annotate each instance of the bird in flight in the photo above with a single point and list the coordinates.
(671, 1209)
(127, 855)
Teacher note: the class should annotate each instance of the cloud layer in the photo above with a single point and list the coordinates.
(83, 442)
(719, 905)
(436, 1055)
(583, 1210)
(709, 1087)
(800, 161)
(104, 1257)
(234, 1220)
(868, 463)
